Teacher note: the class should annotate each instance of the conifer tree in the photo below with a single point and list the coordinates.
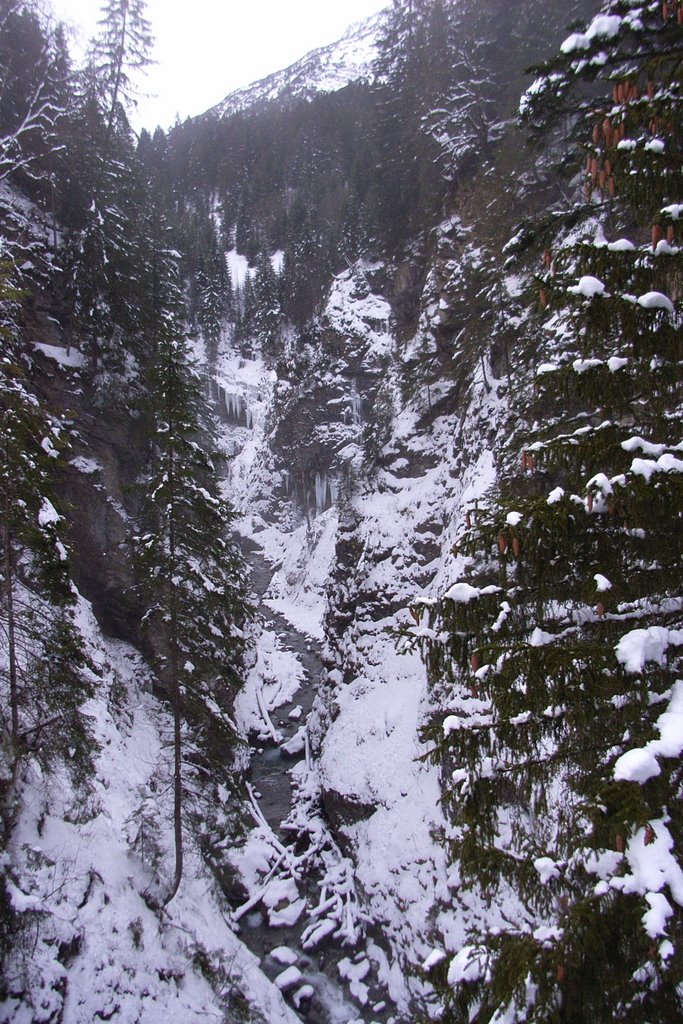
(415, 72)
(214, 299)
(121, 49)
(267, 315)
(192, 573)
(41, 653)
(559, 655)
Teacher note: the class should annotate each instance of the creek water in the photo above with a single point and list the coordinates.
(325, 999)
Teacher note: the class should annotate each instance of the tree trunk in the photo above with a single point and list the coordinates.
(11, 634)
(175, 684)
(117, 80)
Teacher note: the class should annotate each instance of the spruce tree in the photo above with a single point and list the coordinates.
(558, 654)
(122, 48)
(267, 314)
(192, 572)
(40, 648)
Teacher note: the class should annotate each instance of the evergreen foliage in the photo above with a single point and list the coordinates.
(109, 268)
(193, 577)
(121, 49)
(41, 653)
(558, 655)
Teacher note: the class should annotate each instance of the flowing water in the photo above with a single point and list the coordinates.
(325, 999)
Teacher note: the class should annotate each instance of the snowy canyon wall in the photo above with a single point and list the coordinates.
(364, 462)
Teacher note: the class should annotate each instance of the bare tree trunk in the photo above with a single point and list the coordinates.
(117, 81)
(175, 684)
(11, 633)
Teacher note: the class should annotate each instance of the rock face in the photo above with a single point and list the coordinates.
(99, 473)
(97, 486)
(325, 401)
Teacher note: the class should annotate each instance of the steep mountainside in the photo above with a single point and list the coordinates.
(328, 69)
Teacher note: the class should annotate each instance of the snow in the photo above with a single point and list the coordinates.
(277, 260)
(640, 764)
(653, 867)
(576, 41)
(513, 518)
(326, 69)
(354, 310)
(655, 146)
(659, 913)
(635, 443)
(621, 245)
(603, 26)
(468, 965)
(538, 86)
(639, 646)
(588, 286)
(297, 588)
(540, 638)
(655, 300)
(272, 681)
(48, 514)
(463, 593)
(547, 869)
(288, 978)
(49, 448)
(85, 466)
(375, 699)
(68, 357)
(436, 956)
(515, 285)
(555, 495)
(75, 860)
(238, 267)
(284, 955)
(602, 584)
(354, 974)
(582, 365)
(647, 468)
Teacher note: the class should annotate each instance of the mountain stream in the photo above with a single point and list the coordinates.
(302, 921)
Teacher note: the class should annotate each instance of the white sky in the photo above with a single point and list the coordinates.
(207, 48)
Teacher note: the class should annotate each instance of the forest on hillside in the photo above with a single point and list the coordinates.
(476, 249)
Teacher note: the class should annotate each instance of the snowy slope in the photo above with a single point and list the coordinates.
(324, 70)
(84, 862)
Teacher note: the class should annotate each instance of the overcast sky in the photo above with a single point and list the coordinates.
(207, 48)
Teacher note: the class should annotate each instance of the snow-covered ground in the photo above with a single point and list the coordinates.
(85, 866)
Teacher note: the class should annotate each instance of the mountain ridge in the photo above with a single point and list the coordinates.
(324, 69)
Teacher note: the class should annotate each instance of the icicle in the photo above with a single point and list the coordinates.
(321, 488)
(357, 409)
(234, 404)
